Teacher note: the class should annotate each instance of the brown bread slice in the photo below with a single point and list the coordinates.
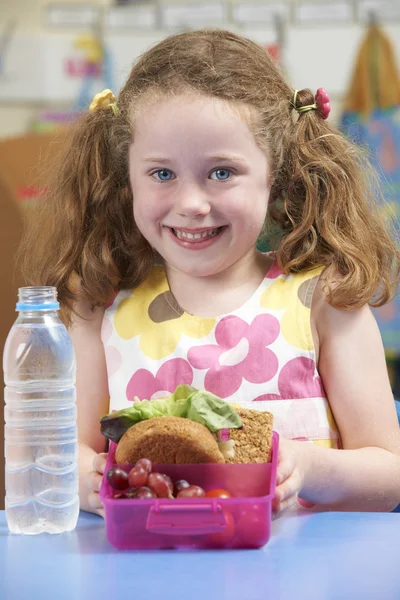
(253, 441)
(168, 440)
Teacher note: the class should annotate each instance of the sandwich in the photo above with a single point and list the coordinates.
(190, 426)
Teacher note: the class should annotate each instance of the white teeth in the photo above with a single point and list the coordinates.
(186, 235)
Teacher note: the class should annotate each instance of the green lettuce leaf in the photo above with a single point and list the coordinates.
(187, 402)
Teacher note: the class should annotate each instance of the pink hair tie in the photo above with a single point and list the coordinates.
(322, 102)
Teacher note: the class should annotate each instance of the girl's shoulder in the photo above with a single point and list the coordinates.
(339, 322)
(85, 316)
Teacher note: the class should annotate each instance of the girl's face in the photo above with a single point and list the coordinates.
(200, 183)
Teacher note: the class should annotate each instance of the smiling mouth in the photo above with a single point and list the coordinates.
(200, 236)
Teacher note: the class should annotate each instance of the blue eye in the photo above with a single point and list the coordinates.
(221, 174)
(163, 174)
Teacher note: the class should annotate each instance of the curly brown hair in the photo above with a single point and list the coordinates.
(323, 202)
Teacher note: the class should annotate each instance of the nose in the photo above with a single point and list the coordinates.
(192, 201)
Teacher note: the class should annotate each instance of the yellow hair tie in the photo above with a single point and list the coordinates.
(302, 109)
(104, 99)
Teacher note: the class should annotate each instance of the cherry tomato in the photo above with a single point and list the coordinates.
(218, 494)
(223, 538)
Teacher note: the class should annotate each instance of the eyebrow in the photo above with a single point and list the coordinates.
(227, 157)
(220, 158)
(155, 159)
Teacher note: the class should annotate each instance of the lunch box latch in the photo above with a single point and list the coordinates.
(179, 518)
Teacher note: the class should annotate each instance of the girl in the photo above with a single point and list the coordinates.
(150, 236)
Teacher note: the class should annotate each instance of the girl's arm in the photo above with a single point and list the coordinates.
(365, 475)
(92, 401)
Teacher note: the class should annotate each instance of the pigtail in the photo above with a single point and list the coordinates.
(83, 236)
(330, 213)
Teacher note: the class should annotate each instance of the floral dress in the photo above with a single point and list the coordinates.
(260, 356)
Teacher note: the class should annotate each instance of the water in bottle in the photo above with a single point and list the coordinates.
(41, 448)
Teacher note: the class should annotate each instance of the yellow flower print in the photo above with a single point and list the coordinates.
(333, 442)
(331, 419)
(326, 443)
(152, 313)
(293, 294)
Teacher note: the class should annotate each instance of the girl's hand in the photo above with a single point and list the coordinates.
(93, 483)
(290, 476)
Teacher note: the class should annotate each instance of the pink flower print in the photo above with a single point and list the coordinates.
(240, 353)
(145, 386)
(264, 397)
(106, 330)
(297, 380)
(111, 302)
(274, 271)
(113, 360)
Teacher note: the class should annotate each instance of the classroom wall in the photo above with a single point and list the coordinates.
(316, 55)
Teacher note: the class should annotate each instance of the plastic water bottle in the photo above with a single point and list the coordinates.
(41, 447)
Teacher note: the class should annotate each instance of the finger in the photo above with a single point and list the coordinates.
(94, 500)
(285, 469)
(282, 507)
(284, 499)
(290, 486)
(93, 481)
(99, 462)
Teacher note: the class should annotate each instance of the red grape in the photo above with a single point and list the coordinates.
(160, 485)
(117, 478)
(168, 478)
(145, 492)
(145, 464)
(137, 477)
(193, 491)
(181, 484)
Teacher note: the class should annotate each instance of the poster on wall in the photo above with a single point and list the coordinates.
(88, 65)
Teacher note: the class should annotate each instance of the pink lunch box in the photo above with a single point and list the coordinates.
(243, 521)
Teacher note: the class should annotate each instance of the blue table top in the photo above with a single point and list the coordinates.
(321, 556)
